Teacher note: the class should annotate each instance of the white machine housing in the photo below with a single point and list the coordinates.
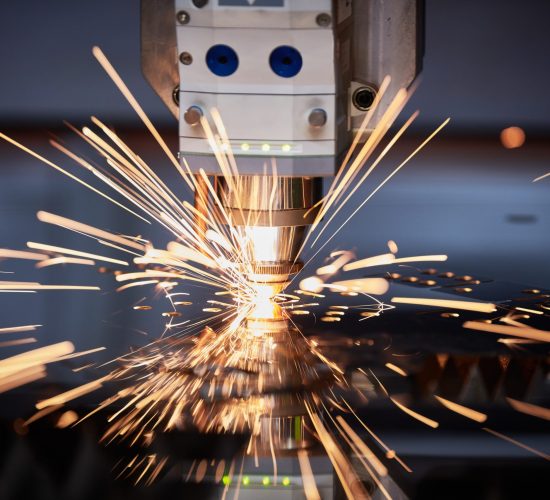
(266, 115)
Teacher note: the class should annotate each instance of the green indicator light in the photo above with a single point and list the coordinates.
(246, 480)
(266, 481)
(226, 480)
(286, 481)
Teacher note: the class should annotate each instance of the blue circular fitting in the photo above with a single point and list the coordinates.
(222, 60)
(285, 61)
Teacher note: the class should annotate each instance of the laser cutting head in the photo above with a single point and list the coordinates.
(291, 80)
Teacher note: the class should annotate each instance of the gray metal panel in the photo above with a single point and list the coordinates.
(159, 52)
(316, 166)
(387, 40)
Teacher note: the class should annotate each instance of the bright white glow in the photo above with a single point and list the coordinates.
(264, 306)
(245, 146)
(264, 241)
(286, 148)
(312, 284)
(266, 147)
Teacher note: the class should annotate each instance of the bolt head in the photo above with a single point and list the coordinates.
(192, 115)
(183, 17)
(363, 98)
(186, 58)
(317, 117)
(176, 95)
(323, 20)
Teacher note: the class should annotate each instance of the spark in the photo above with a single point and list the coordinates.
(348, 478)
(33, 286)
(512, 137)
(385, 259)
(206, 376)
(68, 251)
(86, 229)
(464, 305)
(396, 369)
(514, 331)
(6, 253)
(308, 479)
(30, 366)
(517, 443)
(66, 419)
(540, 178)
(374, 286)
(10, 343)
(463, 410)
(64, 260)
(366, 452)
(529, 409)
(421, 418)
(71, 394)
(59, 169)
(531, 311)
(19, 329)
(392, 246)
(136, 283)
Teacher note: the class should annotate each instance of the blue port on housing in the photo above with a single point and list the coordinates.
(285, 61)
(222, 60)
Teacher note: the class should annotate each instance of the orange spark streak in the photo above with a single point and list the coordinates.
(365, 450)
(47, 287)
(308, 479)
(68, 174)
(421, 418)
(419, 258)
(463, 410)
(106, 65)
(11, 343)
(514, 331)
(19, 329)
(396, 369)
(532, 311)
(21, 377)
(517, 443)
(42, 413)
(376, 260)
(374, 286)
(348, 478)
(529, 409)
(452, 304)
(98, 174)
(6, 253)
(54, 261)
(72, 394)
(136, 283)
(78, 253)
(86, 229)
(387, 179)
(542, 177)
(41, 355)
